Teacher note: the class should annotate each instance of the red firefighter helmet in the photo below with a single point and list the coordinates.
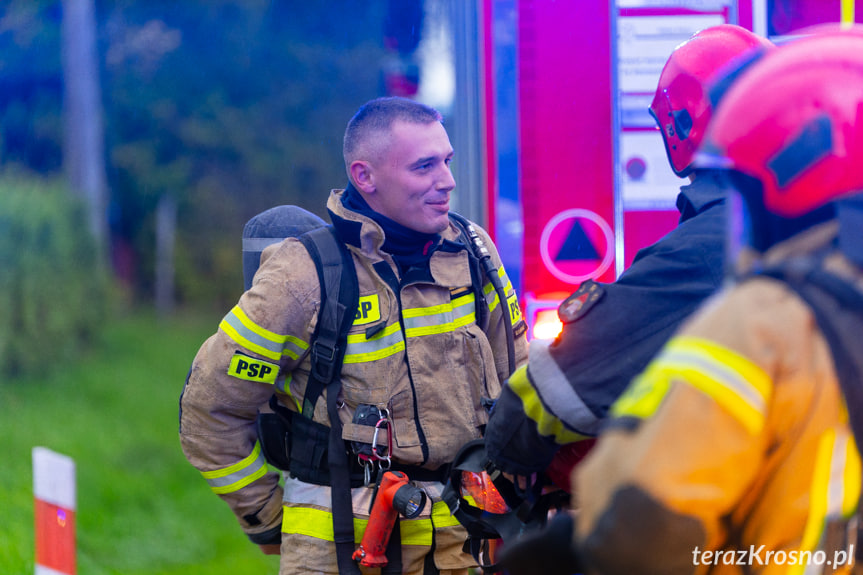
(681, 105)
(787, 132)
(793, 123)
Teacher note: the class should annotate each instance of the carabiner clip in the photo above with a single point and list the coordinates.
(367, 471)
(384, 420)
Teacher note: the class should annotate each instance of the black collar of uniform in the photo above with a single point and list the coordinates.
(705, 191)
(399, 241)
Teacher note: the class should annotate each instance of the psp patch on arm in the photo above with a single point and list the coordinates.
(252, 369)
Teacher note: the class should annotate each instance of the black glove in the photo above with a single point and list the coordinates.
(547, 551)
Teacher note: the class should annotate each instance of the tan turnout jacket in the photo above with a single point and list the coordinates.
(732, 452)
(427, 362)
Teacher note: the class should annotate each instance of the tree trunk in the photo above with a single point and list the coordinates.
(83, 146)
(166, 232)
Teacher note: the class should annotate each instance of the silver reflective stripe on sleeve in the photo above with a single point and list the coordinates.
(555, 390)
(238, 475)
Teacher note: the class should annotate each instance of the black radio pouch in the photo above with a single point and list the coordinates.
(274, 435)
(371, 416)
(275, 439)
(309, 446)
(294, 443)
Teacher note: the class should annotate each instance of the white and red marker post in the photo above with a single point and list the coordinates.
(55, 494)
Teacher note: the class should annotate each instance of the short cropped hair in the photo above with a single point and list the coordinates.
(375, 118)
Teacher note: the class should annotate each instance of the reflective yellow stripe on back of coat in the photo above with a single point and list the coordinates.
(833, 493)
(733, 381)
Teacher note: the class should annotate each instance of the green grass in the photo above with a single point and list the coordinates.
(142, 509)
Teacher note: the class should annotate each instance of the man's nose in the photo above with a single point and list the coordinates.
(447, 181)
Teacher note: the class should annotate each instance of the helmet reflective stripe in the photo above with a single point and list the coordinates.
(238, 475)
(812, 144)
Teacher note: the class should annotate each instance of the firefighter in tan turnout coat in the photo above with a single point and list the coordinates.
(735, 451)
(427, 351)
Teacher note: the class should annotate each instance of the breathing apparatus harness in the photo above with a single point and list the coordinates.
(318, 454)
(524, 509)
(475, 243)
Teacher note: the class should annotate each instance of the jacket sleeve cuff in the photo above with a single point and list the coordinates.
(270, 537)
(266, 522)
(512, 440)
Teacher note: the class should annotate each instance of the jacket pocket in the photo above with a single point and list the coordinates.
(404, 424)
(479, 364)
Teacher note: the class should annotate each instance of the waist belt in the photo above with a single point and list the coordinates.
(300, 446)
(320, 476)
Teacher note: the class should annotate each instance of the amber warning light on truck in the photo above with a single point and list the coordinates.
(541, 316)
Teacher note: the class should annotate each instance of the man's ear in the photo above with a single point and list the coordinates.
(362, 177)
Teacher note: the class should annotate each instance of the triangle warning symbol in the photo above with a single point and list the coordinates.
(577, 246)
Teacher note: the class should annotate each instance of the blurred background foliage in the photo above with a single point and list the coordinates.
(54, 289)
(215, 109)
(210, 111)
(224, 107)
(227, 106)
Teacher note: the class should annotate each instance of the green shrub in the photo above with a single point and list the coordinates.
(53, 281)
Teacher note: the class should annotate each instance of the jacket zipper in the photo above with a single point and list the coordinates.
(386, 273)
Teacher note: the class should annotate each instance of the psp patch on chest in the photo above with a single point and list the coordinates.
(580, 301)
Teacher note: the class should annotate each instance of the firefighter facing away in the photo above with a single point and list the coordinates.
(735, 450)
(611, 331)
(424, 355)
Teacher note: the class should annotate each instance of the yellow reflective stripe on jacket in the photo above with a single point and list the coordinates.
(441, 515)
(835, 487)
(491, 294)
(255, 338)
(318, 523)
(440, 318)
(733, 381)
(418, 322)
(238, 475)
(546, 423)
(314, 522)
(384, 344)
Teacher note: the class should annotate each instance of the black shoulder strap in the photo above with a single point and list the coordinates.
(476, 247)
(339, 297)
(476, 272)
(838, 309)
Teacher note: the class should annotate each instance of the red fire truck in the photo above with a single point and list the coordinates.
(556, 152)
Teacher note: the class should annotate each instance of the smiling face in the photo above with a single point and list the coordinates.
(409, 180)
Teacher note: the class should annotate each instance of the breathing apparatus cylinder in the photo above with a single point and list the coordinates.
(395, 496)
